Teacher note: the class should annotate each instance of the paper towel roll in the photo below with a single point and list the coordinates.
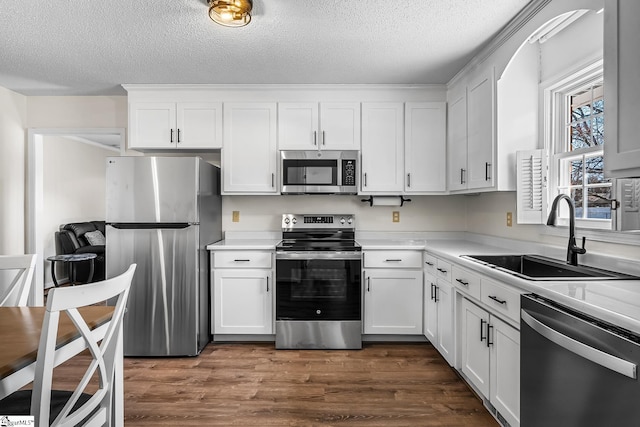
(387, 201)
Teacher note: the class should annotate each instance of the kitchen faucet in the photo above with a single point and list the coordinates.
(572, 250)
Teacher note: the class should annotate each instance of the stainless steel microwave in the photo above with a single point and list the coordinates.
(319, 172)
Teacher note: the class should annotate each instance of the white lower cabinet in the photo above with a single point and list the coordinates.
(438, 316)
(490, 356)
(393, 302)
(242, 293)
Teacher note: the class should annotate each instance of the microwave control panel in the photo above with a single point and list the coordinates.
(348, 172)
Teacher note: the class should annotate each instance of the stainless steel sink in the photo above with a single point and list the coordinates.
(536, 267)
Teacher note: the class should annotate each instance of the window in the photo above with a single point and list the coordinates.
(577, 110)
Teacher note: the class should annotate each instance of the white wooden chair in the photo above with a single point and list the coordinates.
(66, 408)
(18, 272)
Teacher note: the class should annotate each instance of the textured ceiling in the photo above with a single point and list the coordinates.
(83, 47)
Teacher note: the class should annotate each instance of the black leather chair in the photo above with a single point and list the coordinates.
(71, 239)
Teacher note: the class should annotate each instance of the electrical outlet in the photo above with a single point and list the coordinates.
(509, 219)
(396, 216)
(235, 216)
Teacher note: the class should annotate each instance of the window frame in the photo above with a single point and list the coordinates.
(555, 106)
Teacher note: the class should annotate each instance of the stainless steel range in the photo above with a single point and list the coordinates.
(318, 283)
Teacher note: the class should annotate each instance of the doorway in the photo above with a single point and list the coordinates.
(36, 230)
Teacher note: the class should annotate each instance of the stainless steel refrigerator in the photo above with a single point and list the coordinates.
(161, 214)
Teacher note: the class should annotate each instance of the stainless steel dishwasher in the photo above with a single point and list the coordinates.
(575, 370)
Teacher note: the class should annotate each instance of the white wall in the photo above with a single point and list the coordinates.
(74, 187)
(576, 45)
(13, 119)
(423, 213)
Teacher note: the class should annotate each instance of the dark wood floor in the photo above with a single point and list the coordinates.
(255, 385)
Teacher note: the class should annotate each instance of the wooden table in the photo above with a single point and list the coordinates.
(20, 335)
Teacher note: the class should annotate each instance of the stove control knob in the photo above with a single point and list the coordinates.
(350, 221)
(294, 220)
(342, 221)
(287, 221)
(318, 311)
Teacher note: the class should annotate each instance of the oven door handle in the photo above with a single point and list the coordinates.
(318, 255)
(599, 357)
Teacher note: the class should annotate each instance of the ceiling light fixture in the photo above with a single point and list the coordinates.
(230, 13)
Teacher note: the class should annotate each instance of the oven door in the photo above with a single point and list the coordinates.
(318, 286)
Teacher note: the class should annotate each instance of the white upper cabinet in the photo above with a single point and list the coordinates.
(382, 148)
(621, 88)
(480, 130)
(457, 144)
(425, 147)
(471, 139)
(403, 148)
(249, 156)
(175, 125)
(324, 126)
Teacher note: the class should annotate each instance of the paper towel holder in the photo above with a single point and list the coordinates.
(401, 200)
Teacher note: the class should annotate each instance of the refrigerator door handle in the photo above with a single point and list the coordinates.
(150, 226)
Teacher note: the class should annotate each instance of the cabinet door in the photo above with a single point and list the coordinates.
(298, 125)
(199, 125)
(480, 128)
(621, 65)
(393, 302)
(475, 351)
(242, 301)
(382, 148)
(425, 147)
(457, 143)
(445, 336)
(152, 125)
(340, 126)
(505, 370)
(430, 310)
(249, 155)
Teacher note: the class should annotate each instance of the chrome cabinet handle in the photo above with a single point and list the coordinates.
(462, 282)
(171, 138)
(267, 283)
(315, 137)
(409, 180)
(368, 284)
(496, 299)
(441, 270)
(273, 179)
(462, 171)
(241, 260)
(323, 139)
(178, 136)
(430, 264)
(392, 260)
(365, 179)
(487, 166)
(606, 360)
(482, 322)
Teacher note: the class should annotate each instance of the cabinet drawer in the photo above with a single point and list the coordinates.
(241, 259)
(430, 263)
(443, 270)
(501, 299)
(393, 259)
(466, 281)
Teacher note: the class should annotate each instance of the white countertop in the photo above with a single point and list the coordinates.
(244, 244)
(392, 244)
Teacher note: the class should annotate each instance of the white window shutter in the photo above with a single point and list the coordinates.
(531, 205)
